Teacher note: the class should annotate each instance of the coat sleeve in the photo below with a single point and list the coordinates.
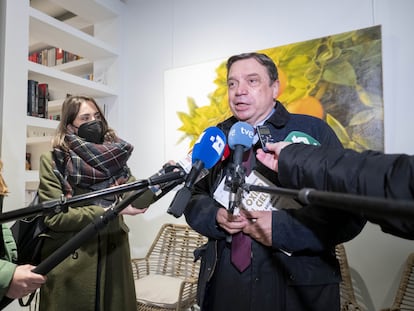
(7, 267)
(344, 170)
(50, 188)
(6, 271)
(314, 228)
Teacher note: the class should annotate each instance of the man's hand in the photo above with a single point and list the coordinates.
(229, 222)
(24, 282)
(132, 211)
(270, 159)
(259, 226)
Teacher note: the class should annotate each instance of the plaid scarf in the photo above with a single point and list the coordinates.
(91, 166)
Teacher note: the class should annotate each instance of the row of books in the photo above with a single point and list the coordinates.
(52, 57)
(37, 99)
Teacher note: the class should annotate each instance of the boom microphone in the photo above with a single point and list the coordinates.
(207, 151)
(157, 191)
(240, 140)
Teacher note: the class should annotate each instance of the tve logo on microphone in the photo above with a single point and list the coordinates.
(247, 131)
(244, 128)
(241, 133)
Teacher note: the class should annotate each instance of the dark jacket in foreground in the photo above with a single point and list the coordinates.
(344, 170)
(306, 280)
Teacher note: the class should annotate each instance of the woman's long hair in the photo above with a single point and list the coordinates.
(70, 109)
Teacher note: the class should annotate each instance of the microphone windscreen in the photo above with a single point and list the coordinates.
(300, 137)
(241, 133)
(209, 147)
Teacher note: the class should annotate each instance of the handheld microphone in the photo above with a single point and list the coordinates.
(300, 137)
(240, 139)
(207, 151)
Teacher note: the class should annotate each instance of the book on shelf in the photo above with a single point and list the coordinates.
(32, 97)
(69, 57)
(59, 56)
(43, 91)
(52, 56)
(37, 99)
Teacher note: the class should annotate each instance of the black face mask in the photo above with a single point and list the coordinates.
(92, 131)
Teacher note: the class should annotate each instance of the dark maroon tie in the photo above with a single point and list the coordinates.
(241, 244)
(241, 249)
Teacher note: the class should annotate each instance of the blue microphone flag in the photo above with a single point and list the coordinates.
(209, 147)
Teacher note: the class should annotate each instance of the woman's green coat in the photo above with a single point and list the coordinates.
(7, 267)
(99, 271)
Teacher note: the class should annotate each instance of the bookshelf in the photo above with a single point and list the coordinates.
(88, 28)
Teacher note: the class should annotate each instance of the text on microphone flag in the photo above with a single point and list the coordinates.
(209, 147)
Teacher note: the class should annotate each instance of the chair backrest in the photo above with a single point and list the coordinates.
(348, 300)
(404, 299)
(172, 252)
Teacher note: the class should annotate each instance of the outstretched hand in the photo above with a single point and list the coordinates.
(271, 159)
(132, 211)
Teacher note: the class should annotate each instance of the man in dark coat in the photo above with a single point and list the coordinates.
(293, 264)
(370, 173)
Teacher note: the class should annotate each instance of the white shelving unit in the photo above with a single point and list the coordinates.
(90, 32)
(60, 81)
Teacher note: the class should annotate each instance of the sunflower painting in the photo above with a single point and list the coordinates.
(337, 78)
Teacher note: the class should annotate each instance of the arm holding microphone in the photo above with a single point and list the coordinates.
(368, 173)
(16, 281)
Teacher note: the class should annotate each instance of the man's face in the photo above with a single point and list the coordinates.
(251, 96)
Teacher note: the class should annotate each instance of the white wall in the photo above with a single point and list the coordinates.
(161, 35)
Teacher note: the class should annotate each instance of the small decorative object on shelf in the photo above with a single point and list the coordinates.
(28, 161)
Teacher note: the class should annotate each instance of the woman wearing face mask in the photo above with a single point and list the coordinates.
(87, 156)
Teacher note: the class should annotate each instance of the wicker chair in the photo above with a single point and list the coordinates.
(404, 299)
(348, 300)
(166, 278)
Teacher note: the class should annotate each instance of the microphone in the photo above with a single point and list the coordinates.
(157, 191)
(207, 151)
(300, 137)
(240, 139)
